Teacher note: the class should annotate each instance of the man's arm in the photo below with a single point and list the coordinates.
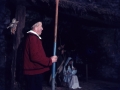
(37, 53)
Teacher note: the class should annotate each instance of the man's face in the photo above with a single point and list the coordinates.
(39, 29)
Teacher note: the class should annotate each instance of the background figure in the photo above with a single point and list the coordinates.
(13, 25)
(35, 60)
(70, 77)
(60, 65)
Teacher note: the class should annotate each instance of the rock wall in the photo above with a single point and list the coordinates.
(110, 60)
(103, 52)
(100, 45)
(4, 21)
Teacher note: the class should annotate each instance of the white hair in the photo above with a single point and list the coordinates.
(36, 24)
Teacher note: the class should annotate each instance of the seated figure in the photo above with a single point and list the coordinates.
(70, 77)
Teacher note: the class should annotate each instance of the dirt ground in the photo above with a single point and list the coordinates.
(91, 85)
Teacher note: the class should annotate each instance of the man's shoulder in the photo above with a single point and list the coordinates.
(30, 35)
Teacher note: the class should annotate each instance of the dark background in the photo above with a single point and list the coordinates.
(90, 27)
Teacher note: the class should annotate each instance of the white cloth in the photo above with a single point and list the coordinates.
(74, 83)
(31, 31)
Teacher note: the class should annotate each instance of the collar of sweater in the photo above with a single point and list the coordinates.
(31, 31)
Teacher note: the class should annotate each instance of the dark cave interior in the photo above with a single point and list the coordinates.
(88, 28)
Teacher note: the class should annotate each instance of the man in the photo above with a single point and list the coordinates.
(35, 60)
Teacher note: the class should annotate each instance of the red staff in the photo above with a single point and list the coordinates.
(55, 43)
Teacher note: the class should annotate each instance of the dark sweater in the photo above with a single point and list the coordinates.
(35, 60)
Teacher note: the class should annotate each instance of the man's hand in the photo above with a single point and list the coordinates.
(54, 59)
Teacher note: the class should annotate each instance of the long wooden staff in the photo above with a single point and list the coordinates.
(55, 43)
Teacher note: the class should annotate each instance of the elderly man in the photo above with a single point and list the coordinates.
(35, 60)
